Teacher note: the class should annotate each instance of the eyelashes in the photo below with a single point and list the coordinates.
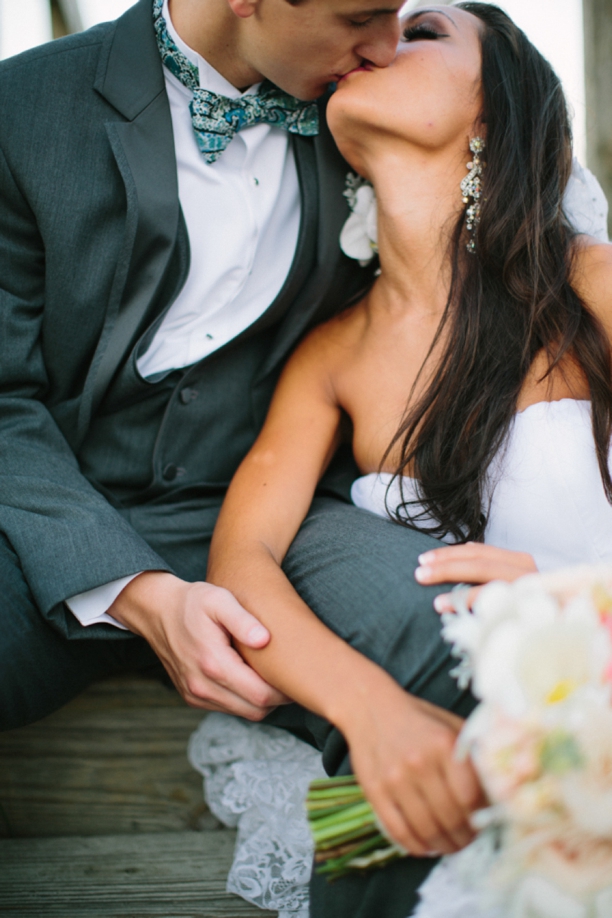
(421, 32)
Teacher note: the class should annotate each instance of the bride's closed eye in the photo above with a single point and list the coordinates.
(422, 31)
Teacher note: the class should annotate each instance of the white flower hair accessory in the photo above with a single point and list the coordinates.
(359, 235)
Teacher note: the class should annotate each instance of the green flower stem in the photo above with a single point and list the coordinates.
(344, 828)
(337, 781)
(338, 865)
(339, 850)
(318, 811)
(348, 793)
(355, 835)
(349, 815)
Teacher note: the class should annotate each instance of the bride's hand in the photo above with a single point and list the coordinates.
(470, 563)
(403, 753)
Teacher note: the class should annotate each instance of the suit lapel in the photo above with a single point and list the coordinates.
(333, 207)
(327, 183)
(130, 78)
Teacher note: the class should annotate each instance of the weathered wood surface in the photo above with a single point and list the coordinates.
(598, 58)
(112, 761)
(174, 874)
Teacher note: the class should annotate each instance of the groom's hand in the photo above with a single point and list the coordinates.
(190, 626)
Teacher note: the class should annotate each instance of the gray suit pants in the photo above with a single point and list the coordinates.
(355, 570)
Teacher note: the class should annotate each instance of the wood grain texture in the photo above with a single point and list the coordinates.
(598, 57)
(174, 875)
(112, 761)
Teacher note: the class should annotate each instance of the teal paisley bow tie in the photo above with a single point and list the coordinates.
(216, 118)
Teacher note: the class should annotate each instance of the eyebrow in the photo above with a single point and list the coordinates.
(420, 12)
(375, 12)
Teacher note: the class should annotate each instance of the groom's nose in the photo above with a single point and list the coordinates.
(380, 46)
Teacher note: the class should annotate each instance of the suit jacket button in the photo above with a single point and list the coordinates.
(187, 395)
(170, 472)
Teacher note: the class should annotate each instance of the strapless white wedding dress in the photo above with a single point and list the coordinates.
(547, 495)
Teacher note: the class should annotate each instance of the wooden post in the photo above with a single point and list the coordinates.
(60, 27)
(598, 58)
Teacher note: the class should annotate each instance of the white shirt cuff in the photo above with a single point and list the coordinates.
(90, 608)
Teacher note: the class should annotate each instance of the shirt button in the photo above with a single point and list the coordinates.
(187, 395)
(170, 472)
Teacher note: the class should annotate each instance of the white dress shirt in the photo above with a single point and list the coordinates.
(242, 215)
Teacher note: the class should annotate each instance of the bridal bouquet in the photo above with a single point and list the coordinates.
(539, 656)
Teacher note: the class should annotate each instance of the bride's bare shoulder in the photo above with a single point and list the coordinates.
(336, 337)
(592, 265)
(592, 276)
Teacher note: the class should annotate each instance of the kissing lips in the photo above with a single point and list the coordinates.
(365, 67)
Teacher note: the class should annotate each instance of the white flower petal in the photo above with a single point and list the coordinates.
(603, 904)
(581, 610)
(364, 199)
(464, 631)
(535, 606)
(495, 603)
(587, 793)
(372, 223)
(495, 677)
(537, 898)
(354, 241)
(358, 238)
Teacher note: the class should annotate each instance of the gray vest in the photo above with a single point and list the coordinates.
(187, 430)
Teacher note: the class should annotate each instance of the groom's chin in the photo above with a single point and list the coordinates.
(308, 90)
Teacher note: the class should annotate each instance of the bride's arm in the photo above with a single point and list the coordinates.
(401, 748)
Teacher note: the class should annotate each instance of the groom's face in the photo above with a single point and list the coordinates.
(304, 46)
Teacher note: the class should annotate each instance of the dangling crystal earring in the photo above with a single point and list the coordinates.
(471, 187)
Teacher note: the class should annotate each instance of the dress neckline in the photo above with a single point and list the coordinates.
(519, 414)
(555, 401)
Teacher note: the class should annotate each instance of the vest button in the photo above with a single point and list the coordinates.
(170, 472)
(187, 395)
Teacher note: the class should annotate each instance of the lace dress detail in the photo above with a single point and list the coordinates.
(255, 779)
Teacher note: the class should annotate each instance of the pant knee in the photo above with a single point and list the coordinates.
(356, 572)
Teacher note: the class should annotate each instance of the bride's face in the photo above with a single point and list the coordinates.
(429, 96)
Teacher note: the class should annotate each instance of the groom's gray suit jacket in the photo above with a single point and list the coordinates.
(93, 250)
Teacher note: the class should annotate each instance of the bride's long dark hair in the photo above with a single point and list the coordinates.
(509, 300)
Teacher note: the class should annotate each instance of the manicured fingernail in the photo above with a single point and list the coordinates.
(443, 603)
(258, 633)
(426, 557)
(423, 574)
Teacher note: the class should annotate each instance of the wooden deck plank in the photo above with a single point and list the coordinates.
(159, 875)
(112, 761)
